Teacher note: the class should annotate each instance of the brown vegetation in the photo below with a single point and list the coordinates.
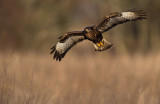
(102, 79)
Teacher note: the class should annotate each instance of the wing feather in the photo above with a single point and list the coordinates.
(116, 18)
(69, 34)
(62, 47)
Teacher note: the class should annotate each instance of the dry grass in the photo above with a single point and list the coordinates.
(102, 79)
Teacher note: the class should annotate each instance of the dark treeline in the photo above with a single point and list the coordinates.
(36, 24)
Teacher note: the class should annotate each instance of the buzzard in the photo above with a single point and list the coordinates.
(94, 33)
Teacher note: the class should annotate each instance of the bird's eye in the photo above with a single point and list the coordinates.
(87, 29)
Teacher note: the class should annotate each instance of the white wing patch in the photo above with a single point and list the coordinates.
(129, 15)
(61, 48)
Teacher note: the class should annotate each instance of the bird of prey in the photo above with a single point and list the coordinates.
(94, 33)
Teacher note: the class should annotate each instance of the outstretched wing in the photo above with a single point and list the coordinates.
(116, 18)
(67, 41)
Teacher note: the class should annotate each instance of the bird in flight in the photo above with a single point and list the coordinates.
(94, 33)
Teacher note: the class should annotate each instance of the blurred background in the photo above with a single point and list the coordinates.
(35, 24)
(128, 73)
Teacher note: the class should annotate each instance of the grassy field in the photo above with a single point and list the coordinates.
(87, 79)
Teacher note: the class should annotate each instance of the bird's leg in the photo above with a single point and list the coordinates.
(100, 44)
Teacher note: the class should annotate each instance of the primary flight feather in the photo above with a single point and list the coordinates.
(94, 33)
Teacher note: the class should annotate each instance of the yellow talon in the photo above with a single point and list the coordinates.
(98, 44)
(101, 43)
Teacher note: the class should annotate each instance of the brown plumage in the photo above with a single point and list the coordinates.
(94, 33)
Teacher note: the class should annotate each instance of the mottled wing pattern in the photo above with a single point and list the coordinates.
(66, 42)
(69, 34)
(116, 18)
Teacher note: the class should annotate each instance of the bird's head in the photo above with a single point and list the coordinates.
(88, 29)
